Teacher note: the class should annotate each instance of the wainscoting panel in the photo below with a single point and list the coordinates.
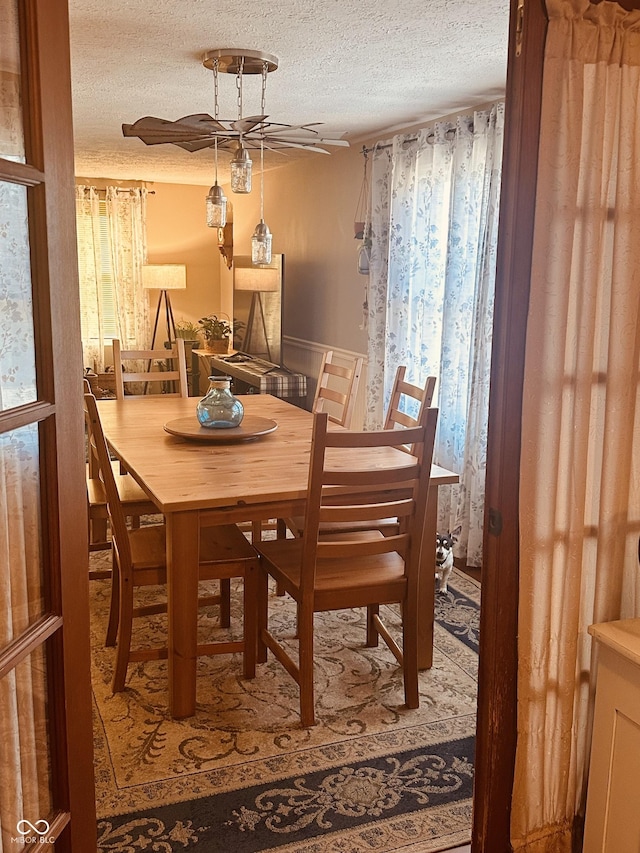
(306, 357)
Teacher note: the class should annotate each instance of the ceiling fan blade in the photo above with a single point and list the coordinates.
(297, 134)
(154, 130)
(246, 125)
(276, 142)
(201, 122)
(196, 145)
(275, 127)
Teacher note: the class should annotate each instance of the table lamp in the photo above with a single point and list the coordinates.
(164, 277)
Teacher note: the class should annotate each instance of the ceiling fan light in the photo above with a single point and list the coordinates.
(241, 166)
(261, 244)
(216, 207)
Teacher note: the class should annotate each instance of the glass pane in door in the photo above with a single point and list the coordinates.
(21, 572)
(17, 343)
(25, 772)
(11, 128)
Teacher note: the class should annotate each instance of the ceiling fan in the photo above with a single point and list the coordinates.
(199, 131)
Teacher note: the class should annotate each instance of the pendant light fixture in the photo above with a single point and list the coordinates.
(261, 238)
(216, 199)
(239, 136)
(241, 164)
(241, 167)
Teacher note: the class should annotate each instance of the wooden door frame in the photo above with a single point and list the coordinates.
(63, 629)
(498, 663)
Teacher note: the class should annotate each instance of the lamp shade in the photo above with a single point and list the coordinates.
(164, 276)
(265, 279)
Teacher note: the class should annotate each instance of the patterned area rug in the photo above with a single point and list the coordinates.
(243, 775)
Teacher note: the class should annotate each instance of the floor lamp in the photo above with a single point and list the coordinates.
(164, 277)
(258, 280)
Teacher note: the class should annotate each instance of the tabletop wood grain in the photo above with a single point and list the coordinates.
(179, 474)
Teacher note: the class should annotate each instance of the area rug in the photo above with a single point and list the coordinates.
(243, 775)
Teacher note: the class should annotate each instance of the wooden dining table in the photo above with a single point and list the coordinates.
(194, 483)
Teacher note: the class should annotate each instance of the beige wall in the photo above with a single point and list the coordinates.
(177, 233)
(309, 207)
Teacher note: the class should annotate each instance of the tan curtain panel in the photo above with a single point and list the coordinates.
(112, 247)
(580, 466)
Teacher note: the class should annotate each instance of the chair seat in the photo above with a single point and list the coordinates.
(129, 490)
(365, 580)
(384, 525)
(134, 500)
(220, 544)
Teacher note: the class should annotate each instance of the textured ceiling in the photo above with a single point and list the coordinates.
(364, 68)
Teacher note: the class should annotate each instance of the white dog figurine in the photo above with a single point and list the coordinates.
(444, 559)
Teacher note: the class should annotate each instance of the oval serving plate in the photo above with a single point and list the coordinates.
(252, 426)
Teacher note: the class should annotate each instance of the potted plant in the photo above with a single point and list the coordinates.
(216, 333)
(187, 329)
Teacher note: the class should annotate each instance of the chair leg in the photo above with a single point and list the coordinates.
(307, 701)
(114, 605)
(410, 655)
(250, 620)
(372, 632)
(261, 615)
(97, 530)
(123, 647)
(281, 533)
(225, 602)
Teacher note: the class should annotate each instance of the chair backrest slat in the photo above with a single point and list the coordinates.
(401, 388)
(177, 375)
(343, 396)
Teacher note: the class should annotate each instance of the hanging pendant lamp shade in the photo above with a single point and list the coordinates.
(261, 244)
(241, 167)
(261, 237)
(216, 207)
(216, 199)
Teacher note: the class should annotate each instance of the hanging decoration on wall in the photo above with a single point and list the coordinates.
(362, 220)
(195, 132)
(225, 237)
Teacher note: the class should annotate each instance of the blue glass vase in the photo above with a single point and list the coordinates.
(219, 409)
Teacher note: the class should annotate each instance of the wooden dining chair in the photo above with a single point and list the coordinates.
(363, 568)
(338, 386)
(175, 379)
(135, 502)
(139, 560)
(404, 395)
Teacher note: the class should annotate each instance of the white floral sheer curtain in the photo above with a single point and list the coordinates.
(434, 227)
(580, 483)
(112, 242)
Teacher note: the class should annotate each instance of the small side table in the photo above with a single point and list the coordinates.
(256, 376)
(613, 817)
